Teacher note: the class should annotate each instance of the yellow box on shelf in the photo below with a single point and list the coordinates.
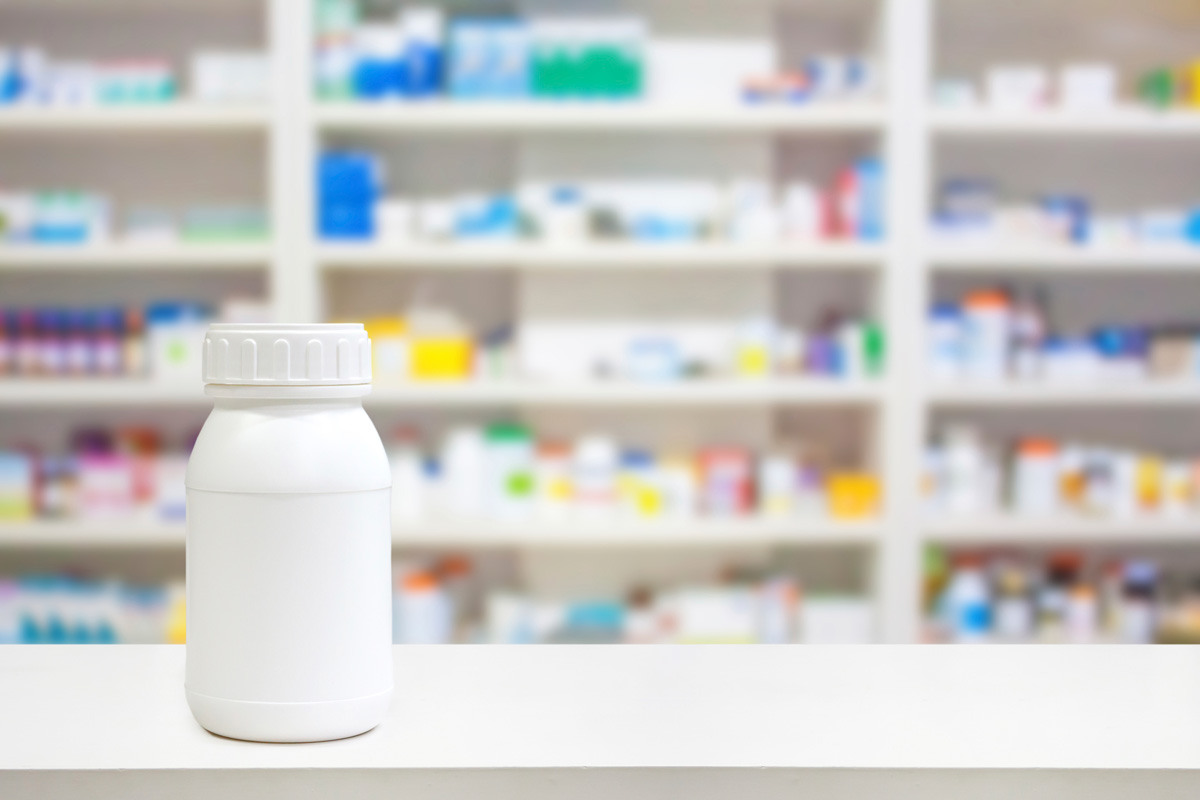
(425, 346)
(854, 495)
(16, 487)
(441, 358)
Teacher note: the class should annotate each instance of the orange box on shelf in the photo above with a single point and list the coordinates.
(854, 495)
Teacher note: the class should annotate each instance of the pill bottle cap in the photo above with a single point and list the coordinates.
(276, 354)
(420, 582)
(986, 299)
(1038, 447)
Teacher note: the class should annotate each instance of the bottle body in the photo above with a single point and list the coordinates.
(288, 566)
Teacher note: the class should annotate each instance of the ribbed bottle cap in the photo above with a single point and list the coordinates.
(287, 355)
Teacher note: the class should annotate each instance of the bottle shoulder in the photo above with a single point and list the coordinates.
(281, 450)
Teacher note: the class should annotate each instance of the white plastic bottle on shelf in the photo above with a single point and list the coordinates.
(594, 469)
(944, 343)
(1013, 619)
(408, 495)
(987, 317)
(423, 611)
(801, 211)
(464, 467)
(1028, 337)
(288, 538)
(969, 474)
(1036, 479)
(968, 601)
(509, 465)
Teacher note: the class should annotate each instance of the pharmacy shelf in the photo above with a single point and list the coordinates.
(692, 256)
(91, 533)
(1040, 394)
(686, 533)
(794, 391)
(683, 533)
(1123, 121)
(164, 118)
(40, 393)
(98, 392)
(486, 118)
(1005, 529)
(986, 255)
(149, 257)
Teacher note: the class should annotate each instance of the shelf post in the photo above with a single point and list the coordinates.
(907, 40)
(294, 279)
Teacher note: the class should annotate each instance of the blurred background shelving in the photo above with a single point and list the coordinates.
(262, 154)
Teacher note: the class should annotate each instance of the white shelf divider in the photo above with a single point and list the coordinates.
(119, 257)
(907, 39)
(486, 118)
(701, 393)
(1007, 529)
(1141, 394)
(98, 392)
(177, 117)
(99, 534)
(622, 533)
(637, 257)
(1124, 121)
(85, 392)
(696, 533)
(1018, 256)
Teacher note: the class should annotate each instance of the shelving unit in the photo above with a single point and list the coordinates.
(304, 280)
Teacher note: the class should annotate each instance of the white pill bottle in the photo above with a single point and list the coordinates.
(288, 538)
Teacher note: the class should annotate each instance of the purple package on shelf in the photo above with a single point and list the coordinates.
(823, 357)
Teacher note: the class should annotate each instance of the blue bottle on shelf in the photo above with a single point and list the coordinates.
(380, 70)
(348, 186)
(424, 55)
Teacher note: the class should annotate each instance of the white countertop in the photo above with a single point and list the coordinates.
(535, 722)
